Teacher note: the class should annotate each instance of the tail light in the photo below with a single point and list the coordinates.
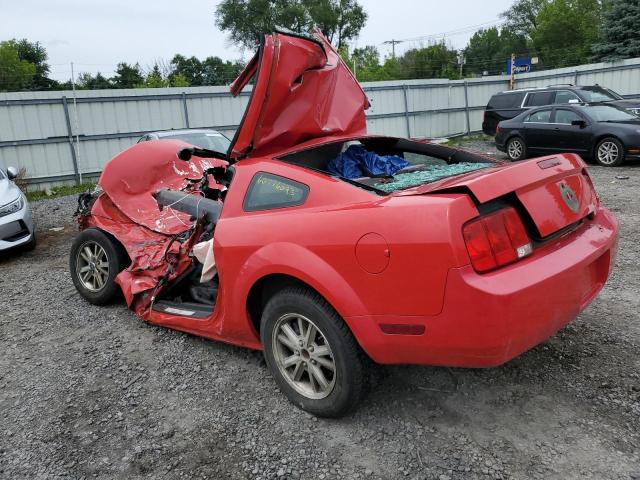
(496, 240)
(498, 129)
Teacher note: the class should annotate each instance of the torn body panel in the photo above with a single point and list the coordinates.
(158, 241)
(303, 90)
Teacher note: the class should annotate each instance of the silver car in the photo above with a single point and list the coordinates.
(199, 137)
(16, 221)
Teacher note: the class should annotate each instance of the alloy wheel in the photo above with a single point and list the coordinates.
(608, 153)
(303, 356)
(92, 266)
(515, 149)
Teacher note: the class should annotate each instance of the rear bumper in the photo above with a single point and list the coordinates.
(489, 319)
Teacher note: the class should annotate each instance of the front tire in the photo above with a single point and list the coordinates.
(94, 262)
(516, 149)
(312, 355)
(610, 152)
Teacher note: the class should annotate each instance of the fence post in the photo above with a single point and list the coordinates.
(186, 110)
(76, 171)
(575, 77)
(405, 89)
(466, 107)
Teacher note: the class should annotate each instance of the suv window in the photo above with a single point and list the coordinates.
(566, 116)
(539, 99)
(563, 96)
(543, 116)
(506, 100)
(269, 191)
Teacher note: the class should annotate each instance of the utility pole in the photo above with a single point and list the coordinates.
(512, 80)
(393, 46)
(461, 61)
(75, 114)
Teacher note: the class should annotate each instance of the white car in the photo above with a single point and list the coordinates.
(16, 221)
(199, 137)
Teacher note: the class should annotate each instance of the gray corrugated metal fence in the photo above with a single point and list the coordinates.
(37, 129)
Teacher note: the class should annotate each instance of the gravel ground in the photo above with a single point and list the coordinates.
(90, 392)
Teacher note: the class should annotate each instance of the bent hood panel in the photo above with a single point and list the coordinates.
(303, 90)
(131, 177)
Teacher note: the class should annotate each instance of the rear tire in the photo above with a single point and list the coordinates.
(609, 152)
(94, 262)
(516, 149)
(323, 372)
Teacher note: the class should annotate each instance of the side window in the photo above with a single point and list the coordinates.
(563, 96)
(506, 100)
(566, 116)
(543, 116)
(540, 99)
(268, 191)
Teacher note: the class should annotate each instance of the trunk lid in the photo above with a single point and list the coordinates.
(302, 90)
(555, 191)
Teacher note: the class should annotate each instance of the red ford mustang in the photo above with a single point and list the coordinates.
(419, 254)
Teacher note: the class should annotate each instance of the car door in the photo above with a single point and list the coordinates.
(537, 129)
(567, 137)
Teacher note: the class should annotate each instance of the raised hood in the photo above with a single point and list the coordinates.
(302, 90)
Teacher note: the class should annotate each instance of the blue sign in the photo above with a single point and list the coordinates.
(522, 65)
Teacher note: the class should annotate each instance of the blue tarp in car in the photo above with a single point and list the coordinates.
(357, 162)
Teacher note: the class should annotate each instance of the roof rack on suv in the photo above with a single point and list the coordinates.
(523, 89)
(561, 85)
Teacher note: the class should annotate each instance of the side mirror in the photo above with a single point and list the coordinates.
(579, 123)
(12, 173)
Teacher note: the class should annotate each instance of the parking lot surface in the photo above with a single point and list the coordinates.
(90, 392)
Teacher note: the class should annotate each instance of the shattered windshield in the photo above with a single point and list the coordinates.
(429, 173)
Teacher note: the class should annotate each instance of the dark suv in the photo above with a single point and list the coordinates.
(510, 104)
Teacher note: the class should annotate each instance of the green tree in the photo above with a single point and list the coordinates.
(86, 81)
(15, 73)
(434, 61)
(619, 34)
(154, 79)
(247, 21)
(127, 76)
(35, 53)
(488, 50)
(522, 17)
(565, 31)
(216, 71)
(189, 68)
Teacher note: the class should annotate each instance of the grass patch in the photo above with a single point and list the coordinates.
(461, 141)
(59, 191)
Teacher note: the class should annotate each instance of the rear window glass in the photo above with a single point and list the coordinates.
(506, 100)
(429, 173)
(539, 99)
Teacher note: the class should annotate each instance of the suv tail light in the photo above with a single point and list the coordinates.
(498, 129)
(496, 240)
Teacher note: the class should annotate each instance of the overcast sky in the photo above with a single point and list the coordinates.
(97, 35)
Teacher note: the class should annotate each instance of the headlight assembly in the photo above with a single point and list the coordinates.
(12, 207)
